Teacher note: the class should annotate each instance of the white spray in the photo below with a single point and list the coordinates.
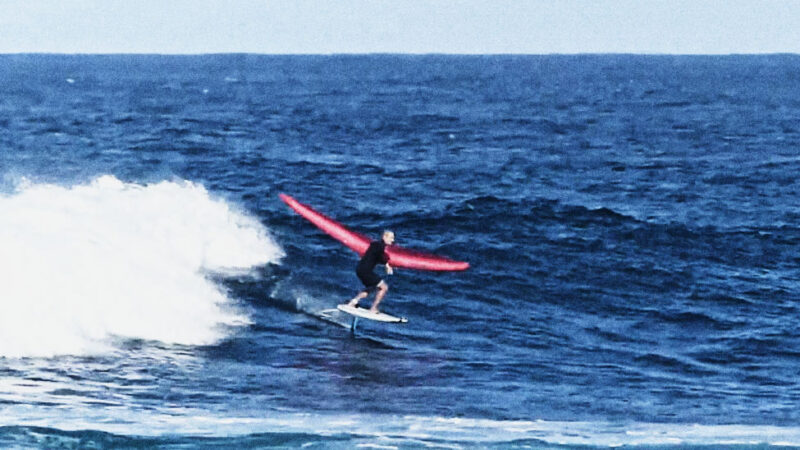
(82, 264)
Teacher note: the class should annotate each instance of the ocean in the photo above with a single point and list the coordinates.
(632, 225)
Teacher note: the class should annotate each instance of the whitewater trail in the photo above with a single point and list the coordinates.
(109, 259)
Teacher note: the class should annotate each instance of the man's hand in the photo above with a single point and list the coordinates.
(389, 269)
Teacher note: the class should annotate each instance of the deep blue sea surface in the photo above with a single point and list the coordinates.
(632, 223)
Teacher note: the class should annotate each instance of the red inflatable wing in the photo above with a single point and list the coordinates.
(354, 241)
(398, 256)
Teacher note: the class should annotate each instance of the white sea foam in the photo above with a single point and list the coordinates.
(369, 430)
(106, 259)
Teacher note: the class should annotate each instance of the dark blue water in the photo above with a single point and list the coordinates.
(631, 222)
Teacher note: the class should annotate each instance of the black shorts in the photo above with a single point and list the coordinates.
(369, 279)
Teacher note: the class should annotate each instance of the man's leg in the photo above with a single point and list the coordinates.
(382, 289)
(354, 301)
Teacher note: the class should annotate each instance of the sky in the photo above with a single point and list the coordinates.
(400, 26)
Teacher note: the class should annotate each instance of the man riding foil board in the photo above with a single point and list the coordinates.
(376, 253)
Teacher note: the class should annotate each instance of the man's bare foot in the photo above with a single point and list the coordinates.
(374, 310)
(353, 303)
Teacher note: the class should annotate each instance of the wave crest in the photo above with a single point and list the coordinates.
(84, 263)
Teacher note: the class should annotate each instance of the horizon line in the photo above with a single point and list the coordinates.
(45, 53)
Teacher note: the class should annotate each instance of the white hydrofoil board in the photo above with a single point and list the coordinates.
(366, 314)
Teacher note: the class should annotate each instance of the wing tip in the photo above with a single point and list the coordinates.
(289, 200)
(459, 266)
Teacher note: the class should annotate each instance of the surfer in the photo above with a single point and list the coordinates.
(374, 254)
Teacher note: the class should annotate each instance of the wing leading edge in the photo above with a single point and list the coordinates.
(398, 256)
